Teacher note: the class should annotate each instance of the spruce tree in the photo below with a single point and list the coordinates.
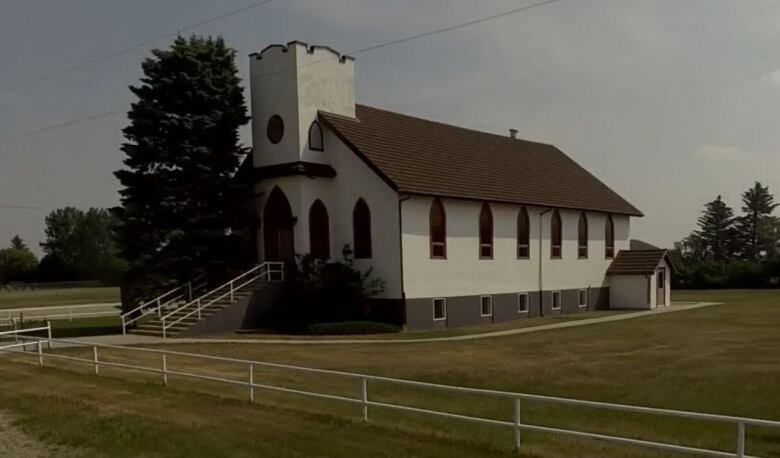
(715, 237)
(182, 148)
(756, 227)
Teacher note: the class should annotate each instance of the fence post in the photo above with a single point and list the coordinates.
(517, 423)
(124, 326)
(364, 397)
(48, 328)
(231, 291)
(40, 353)
(159, 308)
(251, 383)
(740, 440)
(95, 355)
(189, 291)
(163, 327)
(199, 309)
(165, 369)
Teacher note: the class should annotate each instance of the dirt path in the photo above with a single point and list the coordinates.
(15, 443)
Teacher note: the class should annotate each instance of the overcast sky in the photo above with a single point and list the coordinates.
(668, 102)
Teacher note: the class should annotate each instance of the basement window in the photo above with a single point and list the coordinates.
(486, 306)
(556, 300)
(582, 298)
(522, 303)
(439, 309)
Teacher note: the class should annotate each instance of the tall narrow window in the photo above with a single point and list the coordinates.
(316, 142)
(582, 237)
(523, 234)
(485, 232)
(556, 235)
(438, 222)
(609, 238)
(361, 229)
(319, 231)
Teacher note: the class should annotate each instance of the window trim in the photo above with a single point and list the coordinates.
(443, 244)
(321, 135)
(587, 299)
(523, 213)
(552, 301)
(486, 296)
(556, 215)
(444, 308)
(583, 248)
(486, 207)
(527, 303)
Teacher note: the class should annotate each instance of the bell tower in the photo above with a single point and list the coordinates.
(289, 84)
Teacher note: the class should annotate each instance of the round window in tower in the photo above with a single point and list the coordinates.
(275, 129)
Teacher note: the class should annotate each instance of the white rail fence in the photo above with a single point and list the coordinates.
(22, 341)
(363, 400)
(60, 312)
(163, 302)
(272, 271)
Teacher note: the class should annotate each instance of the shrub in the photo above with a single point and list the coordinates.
(353, 328)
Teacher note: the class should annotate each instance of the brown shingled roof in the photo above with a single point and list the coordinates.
(637, 262)
(418, 156)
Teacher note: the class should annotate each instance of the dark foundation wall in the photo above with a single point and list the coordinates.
(466, 310)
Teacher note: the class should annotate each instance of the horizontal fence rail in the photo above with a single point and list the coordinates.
(363, 400)
(61, 312)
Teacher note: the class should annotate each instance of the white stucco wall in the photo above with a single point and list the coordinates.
(354, 180)
(630, 292)
(464, 273)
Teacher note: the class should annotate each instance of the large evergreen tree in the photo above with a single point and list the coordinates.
(715, 238)
(756, 228)
(182, 151)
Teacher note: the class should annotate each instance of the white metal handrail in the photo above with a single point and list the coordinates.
(157, 305)
(266, 269)
(364, 401)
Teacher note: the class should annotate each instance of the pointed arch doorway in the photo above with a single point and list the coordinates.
(278, 239)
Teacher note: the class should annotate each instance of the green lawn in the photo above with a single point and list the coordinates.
(84, 327)
(722, 359)
(47, 297)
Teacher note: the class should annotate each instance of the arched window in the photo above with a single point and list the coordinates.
(438, 222)
(485, 232)
(582, 237)
(361, 229)
(523, 234)
(556, 236)
(609, 238)
(316, 142)
(319, 231)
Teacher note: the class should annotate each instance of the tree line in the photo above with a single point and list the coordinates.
(733, 251)
(80, 245)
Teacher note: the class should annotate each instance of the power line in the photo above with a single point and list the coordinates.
(358, 51)
(64, 124)
(135, 46)
(416, 37)
(24, 207)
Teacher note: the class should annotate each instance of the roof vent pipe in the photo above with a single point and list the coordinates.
(513, 133)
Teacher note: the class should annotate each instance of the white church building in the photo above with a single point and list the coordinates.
(464, 227)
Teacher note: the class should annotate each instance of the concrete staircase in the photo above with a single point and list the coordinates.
(215, 302)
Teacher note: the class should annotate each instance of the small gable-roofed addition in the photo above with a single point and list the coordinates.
(361, 229)
(639, 262)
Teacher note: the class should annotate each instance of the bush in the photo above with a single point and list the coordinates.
(353, 328)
